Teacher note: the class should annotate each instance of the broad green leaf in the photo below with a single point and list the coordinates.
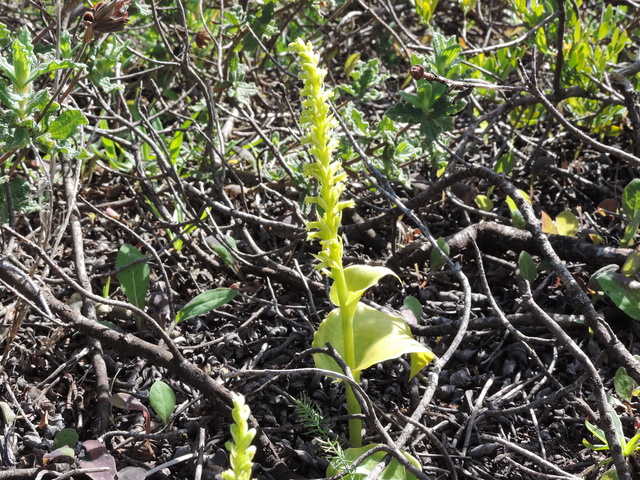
(624, 384)
(527, 266)
(405, 113)
(133, 280)
(378, 337)
(506, 163)
(631, 266)
(359, 278)
(597, 432)
(631, 198)
(162, 400)
(66, 437)
(567, 224)
(436, 260)
(517, 220)
(547, 224)
(484, 203)
(205, 302)
(50, 65)
(8, 98)
(394, 470)
(413, 304)
(624, 292)
(66, 125)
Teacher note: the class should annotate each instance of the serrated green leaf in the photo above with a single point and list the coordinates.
(243, 91)
(51, 65)
(66, 125)
(405, 113)
(162, 400)
(133, 280)
(7, 97)
(205, 302)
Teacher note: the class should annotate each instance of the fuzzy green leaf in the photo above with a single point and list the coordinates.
(66, 125)
(66, 437)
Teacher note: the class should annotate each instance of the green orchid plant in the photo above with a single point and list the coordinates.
(362, 335)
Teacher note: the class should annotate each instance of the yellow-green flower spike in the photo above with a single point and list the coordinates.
(328, 173)
(240, 449)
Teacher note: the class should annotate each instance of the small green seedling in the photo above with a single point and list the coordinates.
(629, 446)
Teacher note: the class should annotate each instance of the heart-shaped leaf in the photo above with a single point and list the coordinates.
(378, 337)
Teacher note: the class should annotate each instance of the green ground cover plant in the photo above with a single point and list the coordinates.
(173, 233)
